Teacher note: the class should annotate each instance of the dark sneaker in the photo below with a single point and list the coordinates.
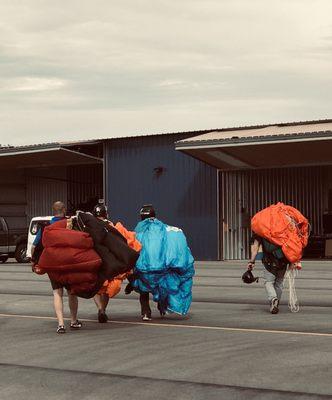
(128, 289)
(76, 325)
(162, 311)
(102, 317)
(61, 329)
(146, 317)
(274, 306)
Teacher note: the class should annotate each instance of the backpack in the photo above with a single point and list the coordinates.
(273, 255)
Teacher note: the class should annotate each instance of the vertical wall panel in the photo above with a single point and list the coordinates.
(184, 194)
(243, 193)
(85, 186)
(13, 198)
(44, 187)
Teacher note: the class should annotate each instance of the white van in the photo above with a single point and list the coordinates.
(35, 224)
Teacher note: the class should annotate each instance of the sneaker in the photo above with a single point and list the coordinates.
(274, 306)
(146, 317)
(102, 317)
(61, 329)
(128, 289)
(76, 325)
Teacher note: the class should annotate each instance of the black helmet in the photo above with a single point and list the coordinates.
(248, 277)
(147, 211)
(100, 210)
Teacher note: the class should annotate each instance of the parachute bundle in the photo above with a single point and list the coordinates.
(95, 258)
(117, 257)
(112, 287)
(69, 259)
(283, 226)
(165, 266)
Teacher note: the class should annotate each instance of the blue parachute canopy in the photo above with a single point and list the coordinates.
(165, 267)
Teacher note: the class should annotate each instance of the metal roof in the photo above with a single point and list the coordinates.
(43, 156)
(32, 147)
(313, 130)
(234, 133)
(271, 146)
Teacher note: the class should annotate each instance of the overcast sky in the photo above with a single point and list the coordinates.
(92, 69)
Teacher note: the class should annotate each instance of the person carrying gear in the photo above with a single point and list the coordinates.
(147, 211)
(101, 299)
(165, 267)
(275, 266)
(59, 213)
(280, 234)
(112, 287)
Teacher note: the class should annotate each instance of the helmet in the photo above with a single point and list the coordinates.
(248, 277)
(147, 211)
(100, 210)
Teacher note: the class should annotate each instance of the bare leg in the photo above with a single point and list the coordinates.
(73, 307)
(101, 301)
(105, 299)
(58, 305)
(98, 302)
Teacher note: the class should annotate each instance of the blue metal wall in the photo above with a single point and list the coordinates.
(184, 194)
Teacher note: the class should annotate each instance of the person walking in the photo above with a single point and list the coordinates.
(275, 266)
(59, 213)
(165, 267)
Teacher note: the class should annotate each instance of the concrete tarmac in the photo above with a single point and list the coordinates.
(228, 347)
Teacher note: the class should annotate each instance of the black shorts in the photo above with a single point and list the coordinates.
(55, 285)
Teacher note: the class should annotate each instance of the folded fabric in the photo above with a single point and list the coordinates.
(113, 287)
(117, 257)
(69, 259)
(283, 226)
(165, 267)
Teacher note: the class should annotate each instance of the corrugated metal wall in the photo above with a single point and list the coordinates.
(85, 186)
(76, 186)
(44, 187)
(13, 198)
(243, 193)
(184, 193)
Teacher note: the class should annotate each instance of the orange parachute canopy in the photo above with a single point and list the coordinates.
(283, 226)
(113, 287)
(130, 237)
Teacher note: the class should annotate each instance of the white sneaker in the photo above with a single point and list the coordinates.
(274, 306)
(146, 317)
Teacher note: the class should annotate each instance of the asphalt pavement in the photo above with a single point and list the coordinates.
(228, 347)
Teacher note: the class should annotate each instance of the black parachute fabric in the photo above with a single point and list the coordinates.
(111, 246)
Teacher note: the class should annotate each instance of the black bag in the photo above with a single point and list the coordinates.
(111, 246)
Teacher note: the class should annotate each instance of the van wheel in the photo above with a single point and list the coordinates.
(3, 259)
(21, 253)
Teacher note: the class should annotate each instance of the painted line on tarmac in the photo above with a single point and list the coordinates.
(182, 326)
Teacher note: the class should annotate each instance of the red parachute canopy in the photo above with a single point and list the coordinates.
(283, 226)
(69, 257)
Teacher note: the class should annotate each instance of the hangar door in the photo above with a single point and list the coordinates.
(243, 193)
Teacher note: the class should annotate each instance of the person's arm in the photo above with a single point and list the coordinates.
(254, 251)
(36, 241)
(33, 248)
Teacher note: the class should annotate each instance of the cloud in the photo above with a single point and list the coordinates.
(30, 84)
(134, 66)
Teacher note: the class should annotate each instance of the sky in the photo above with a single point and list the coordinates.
(72, 70)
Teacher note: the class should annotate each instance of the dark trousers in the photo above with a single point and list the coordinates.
(145, 306)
